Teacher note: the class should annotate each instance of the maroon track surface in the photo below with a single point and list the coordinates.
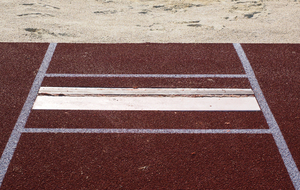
(19, 64)
(106, 82)
(127, 161)
(146, 119)
(150, 161)
(277, 68)
(146, 59)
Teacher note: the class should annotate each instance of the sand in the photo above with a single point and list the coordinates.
(139, 21)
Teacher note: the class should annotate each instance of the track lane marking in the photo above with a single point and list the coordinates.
(276, 132)
(149, 75)
(152, 131)
(22, 119)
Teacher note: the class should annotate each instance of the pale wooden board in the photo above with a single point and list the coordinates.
(146, 103)
(143, 91)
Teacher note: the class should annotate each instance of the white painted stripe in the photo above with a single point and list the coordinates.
(147, 131)
(147, 103)
(142, 91)
(22, 119)
(150, 75)
(276, 132)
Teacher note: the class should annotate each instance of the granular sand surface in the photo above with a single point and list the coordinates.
(139, 21)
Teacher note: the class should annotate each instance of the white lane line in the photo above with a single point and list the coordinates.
(22, 119)
(276, 132)
(151, 131)
(142, 91)
(150, 75)
(147, 103)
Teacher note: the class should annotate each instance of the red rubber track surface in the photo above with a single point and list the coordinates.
(277, 68)
(108, 82)
(19, 63)
(146, 59)
(143, 161)
(146, 119)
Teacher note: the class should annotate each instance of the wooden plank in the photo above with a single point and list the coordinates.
(142, 91)
(147, 103)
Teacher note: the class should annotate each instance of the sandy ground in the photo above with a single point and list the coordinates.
(123, 21)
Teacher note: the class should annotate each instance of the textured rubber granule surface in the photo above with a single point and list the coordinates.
(146, 161)
(277, 68)
(146, 59)
(19, 63)
(146, 119)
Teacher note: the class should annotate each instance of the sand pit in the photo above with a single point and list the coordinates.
(139, 21)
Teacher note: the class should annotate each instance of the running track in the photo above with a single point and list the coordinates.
(67, 149)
